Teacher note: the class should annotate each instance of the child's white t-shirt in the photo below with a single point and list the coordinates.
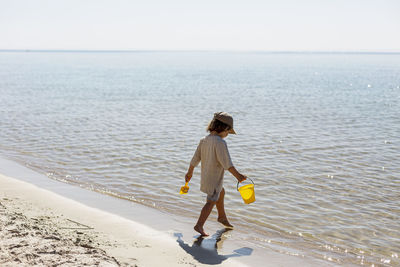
(213, 153)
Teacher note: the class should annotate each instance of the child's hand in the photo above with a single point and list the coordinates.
(241, 178)
(188, 176)
(189, 173)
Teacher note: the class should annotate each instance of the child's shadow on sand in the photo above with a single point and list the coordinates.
(206, 252)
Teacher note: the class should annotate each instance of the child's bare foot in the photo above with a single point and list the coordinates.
(225, 222)
(200, 230)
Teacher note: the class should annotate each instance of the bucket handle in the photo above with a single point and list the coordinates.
(237, 186)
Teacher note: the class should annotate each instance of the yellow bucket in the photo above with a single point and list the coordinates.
(247, 192)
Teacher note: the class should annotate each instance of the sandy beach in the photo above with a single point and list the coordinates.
(39, 227)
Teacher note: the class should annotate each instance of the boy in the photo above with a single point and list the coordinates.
(213, 153)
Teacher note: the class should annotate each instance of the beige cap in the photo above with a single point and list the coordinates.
(225, 118)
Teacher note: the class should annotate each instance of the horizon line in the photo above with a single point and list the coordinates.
(201, 50)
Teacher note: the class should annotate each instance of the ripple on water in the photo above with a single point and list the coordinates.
(324, 155)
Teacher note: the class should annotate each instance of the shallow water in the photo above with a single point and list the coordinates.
(318, 133)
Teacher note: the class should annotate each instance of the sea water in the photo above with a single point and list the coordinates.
(318, 133)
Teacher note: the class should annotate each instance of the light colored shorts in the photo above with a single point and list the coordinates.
(214, 197)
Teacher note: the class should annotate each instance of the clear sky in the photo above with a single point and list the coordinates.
(305, 25)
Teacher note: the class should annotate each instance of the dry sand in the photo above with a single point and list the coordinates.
(42, 238)
(39, 227)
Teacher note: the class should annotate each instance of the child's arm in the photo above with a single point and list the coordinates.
(240, 177)
(189, 173)
(193, 163)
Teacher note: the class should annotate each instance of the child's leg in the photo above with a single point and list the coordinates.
(221, 210)
(205, 212)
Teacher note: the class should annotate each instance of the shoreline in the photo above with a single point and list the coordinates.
(40, 227)
(125, 233)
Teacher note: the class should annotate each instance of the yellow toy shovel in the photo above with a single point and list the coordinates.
(184, 189)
